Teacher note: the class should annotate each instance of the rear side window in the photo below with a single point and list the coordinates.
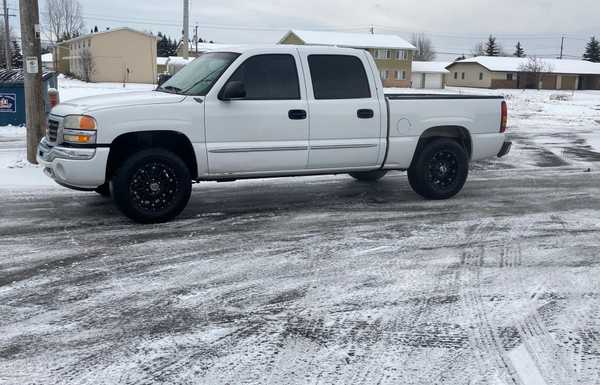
(338, 77)
(269, 77)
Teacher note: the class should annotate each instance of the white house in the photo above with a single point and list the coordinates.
(429, 74)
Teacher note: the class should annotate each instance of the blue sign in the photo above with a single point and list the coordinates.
(8, 103)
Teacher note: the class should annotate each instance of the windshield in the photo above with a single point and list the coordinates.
(198, 77)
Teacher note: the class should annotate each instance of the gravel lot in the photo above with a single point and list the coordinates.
(308, 280)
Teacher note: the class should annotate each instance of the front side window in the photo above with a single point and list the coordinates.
(338, 77)
(199, 76)
(269, 77)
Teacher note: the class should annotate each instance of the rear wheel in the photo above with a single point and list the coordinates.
(439, 170)
(368, 176)
(152, 186)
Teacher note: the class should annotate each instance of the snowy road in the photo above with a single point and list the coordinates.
(320, 280)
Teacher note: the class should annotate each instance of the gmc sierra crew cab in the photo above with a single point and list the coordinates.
(261, 112)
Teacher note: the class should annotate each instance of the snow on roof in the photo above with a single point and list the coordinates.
(430, 67)
(47, 58)
(177, 60)
(161, 61)
(109, 31)
(513, 64)
(350, 40)
(203, 47)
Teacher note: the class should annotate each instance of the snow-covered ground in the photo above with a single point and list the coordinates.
(319, 280)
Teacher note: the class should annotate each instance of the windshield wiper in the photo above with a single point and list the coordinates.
(171, 89)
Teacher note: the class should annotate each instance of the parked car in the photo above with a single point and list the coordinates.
(272, 111)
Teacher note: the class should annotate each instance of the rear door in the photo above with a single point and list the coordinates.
(267, 131)
(345, 112)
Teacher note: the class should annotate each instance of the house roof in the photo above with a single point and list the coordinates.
(350, 40)
(430, 67)
(514, 64)
(108, 31)
(203, 47)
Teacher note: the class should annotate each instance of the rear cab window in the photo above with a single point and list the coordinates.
(338, 77)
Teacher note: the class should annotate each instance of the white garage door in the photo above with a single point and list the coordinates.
(417, 80)
(433, 81)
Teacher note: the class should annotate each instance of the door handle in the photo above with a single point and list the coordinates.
(365, 114)
(297, 114)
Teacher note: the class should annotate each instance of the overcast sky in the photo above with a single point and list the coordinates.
(454, 26)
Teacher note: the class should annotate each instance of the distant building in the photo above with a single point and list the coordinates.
(507, 72)
(429, 74)
(194, 50)
(118, 55)
(392, 54)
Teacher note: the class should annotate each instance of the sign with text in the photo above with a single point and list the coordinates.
(32, 65)
(8, 103)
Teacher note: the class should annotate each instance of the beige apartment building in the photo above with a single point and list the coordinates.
(392, 54)
(507, 72)
(117, 55)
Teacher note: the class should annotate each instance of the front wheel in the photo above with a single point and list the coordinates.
(152, 186)
(439, 170)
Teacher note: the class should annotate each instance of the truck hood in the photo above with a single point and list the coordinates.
(119, 100)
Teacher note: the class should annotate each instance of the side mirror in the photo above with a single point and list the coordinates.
(233, 90)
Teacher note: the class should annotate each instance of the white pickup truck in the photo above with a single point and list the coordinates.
(261, 112)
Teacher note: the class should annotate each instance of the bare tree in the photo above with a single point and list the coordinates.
(63, 19)
(536, 70)
(425, 50)
(479, 49)
(86, 61)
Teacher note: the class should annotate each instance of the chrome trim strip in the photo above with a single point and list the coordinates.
(258, 149)
(341, 146)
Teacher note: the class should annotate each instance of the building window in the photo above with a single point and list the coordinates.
(401, 54)
(455, 75)
(462, 76)
(509, 76)
(481, 76)
(385, 74)
(391, 54)
(400, 75)
(381, 54)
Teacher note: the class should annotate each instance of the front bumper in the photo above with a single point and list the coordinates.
(505, 149)
(78, 168)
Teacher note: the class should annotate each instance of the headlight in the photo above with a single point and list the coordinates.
(79, 129)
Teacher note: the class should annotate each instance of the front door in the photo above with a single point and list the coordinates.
(265, 131)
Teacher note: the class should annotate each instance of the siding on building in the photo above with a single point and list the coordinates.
(120, 55)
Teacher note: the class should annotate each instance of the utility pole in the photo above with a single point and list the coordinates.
(562, 46)
(7, 38)
(34, 99)
(186, 28)
(196, 38)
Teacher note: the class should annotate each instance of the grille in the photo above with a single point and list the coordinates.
(52, 130)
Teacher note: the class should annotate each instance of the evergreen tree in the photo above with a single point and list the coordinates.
(519, 51)
(491, 47)
(95, 29)
(592, 51)
(17, 57)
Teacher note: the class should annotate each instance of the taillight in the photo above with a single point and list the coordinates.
(504, 118)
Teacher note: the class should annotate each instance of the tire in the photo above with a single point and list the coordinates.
(103, 190)
(152, 186)
(439, 170)
(369, 176)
